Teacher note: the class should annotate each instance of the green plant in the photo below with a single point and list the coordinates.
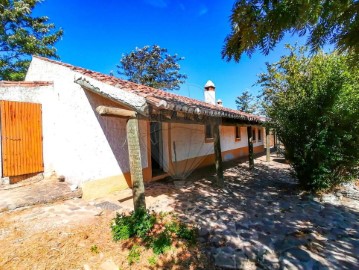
(134, 255)
(138, 223)
(95, 249)
(312, 104)
(162, 243)
(152, 260)
(189, 234)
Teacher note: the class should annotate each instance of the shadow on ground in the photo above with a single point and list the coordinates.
(261, 219)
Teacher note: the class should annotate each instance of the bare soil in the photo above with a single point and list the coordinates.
(81, 246)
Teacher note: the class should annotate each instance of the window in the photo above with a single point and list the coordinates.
(208, 133)
(254, 134)
(238, 133)
(259, 135)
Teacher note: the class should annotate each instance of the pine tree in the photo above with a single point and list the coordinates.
(22, 35)
(245, 101)
(152, 66)
(261, 24)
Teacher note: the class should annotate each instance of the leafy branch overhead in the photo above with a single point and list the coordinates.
(261, 24)
(22, 35)
(152, 66)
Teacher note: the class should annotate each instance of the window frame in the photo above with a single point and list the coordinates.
(237, 131)
(259, 135)
(254, 137)
(208, 139)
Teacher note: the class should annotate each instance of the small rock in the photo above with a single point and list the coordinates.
(109, 265)
(203, 232)
(61, 178)
(73, 187)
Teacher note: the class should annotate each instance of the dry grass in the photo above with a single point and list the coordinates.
(75, 246)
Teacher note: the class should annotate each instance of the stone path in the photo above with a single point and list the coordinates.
(261, 221)
(40, 192)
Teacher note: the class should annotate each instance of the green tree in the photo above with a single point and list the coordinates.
(22, 35)
(245, 103)
(152, 66)
(261, 24)
(312, 103)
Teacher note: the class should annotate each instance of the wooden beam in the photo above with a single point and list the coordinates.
(267, 145)
(250, 147)
(217, 152)
(113, 111)
(134, 153)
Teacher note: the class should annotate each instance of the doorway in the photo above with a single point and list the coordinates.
(156, 148)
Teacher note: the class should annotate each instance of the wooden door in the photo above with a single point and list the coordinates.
(21, 138)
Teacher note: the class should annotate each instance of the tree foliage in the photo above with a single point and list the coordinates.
(313, 106)
(152, 66)
(245, 103)
(22, 35)
(261, 24)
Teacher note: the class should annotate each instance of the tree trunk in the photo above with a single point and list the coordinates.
(267, 145)
(134, 153)
(217, 153)
(250, 148)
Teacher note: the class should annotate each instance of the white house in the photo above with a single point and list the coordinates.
(90, 149)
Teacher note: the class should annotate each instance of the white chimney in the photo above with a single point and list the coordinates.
(219, 103)
(209, 93)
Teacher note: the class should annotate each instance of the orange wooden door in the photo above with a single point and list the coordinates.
(21, 138)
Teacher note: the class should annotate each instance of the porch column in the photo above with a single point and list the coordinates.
(217, 152)
(134, 153)
(267, 145)
(250, 147)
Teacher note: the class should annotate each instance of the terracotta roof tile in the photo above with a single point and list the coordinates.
(152, 94)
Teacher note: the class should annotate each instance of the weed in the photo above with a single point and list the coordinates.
(134, 255)
(138, 223)
(94, 249)
(152, 260)
(162, 243)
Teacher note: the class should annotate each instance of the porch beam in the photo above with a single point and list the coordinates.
(113, 111)
(217, 152)
(134, 153)
(250, 147)
(267, 145)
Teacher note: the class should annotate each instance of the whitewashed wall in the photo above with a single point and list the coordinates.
(190, 141)
(85, 148)
(43, 95)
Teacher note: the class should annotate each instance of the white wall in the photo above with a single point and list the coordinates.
(190, 141)
(43, 95)
(86, 147)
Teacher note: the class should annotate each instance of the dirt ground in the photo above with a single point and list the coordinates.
(80, 245)
(256, 211)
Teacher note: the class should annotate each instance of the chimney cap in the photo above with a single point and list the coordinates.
(209, 84)
(219, 101)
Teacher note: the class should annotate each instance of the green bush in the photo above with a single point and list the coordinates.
(134, 255)
(162, 243)
(312, 104)
(138, 223)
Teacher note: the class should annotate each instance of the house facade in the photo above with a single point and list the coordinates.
(90, 149)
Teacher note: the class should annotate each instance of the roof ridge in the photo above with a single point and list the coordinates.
(143, 90)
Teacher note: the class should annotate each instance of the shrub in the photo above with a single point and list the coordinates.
(134, 255)
(162, 243)
(138, 223)
(312, 104)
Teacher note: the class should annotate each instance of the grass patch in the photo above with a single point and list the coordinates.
(158, 232)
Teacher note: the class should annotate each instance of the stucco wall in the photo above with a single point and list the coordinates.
(190, 141)
(87, 146)
(43, 95)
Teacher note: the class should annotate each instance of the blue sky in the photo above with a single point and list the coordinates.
(97, 33)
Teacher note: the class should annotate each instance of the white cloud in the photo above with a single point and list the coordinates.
(203, 10)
